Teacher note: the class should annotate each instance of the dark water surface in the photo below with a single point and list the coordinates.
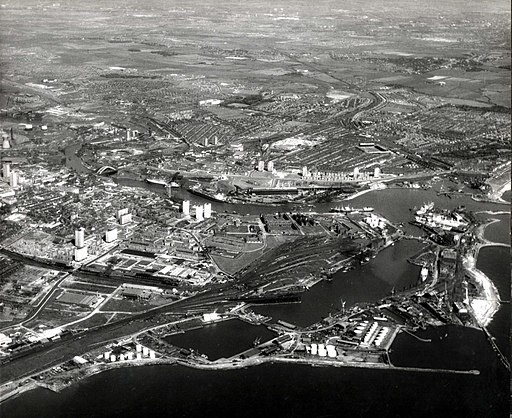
(499, 231)
(369, 283)
(268, 391)
(495, 263)
(223, 339)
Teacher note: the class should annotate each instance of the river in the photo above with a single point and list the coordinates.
(368, 283)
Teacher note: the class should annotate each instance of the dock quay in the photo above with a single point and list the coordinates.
(495, 347)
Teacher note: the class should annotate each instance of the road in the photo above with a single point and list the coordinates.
(39, 307)
(56, 352)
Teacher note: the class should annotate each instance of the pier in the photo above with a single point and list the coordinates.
(495, 347)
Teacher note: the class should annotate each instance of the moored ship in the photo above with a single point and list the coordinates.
(348, 209)
(210, 195)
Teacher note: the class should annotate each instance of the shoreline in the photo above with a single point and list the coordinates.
(219, 365)
(505, 188)
(497, 195)
(484, 306)
(500, 184)
(487, 304)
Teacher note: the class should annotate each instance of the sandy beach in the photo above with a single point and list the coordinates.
(500, 184)
(487, 303)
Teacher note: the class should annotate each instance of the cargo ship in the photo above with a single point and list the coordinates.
(447, 221)
(348, 209)
(215, 197)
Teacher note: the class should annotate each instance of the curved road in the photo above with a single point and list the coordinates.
(39, 307)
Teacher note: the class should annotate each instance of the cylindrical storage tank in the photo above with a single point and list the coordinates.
(145, 351)
(106, 355)
(152, 354)
(112, 358)
(331, 351)
(138, 348)
(130, 356)
(139, 356)
(314, 349)
(186, 207)
(207, 210)
(321, 351)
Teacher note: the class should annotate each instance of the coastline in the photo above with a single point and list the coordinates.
(30, 384)
(497, 195)
(487, 304)
(500, 184)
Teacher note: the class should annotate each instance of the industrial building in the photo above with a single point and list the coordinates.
(136, 293)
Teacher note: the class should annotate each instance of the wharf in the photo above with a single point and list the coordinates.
(224, 364)
(495, 347)
(391, 339)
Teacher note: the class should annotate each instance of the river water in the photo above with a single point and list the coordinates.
(304, 391)
(369, 283)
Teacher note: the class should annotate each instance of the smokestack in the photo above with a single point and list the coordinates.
(12, 134)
